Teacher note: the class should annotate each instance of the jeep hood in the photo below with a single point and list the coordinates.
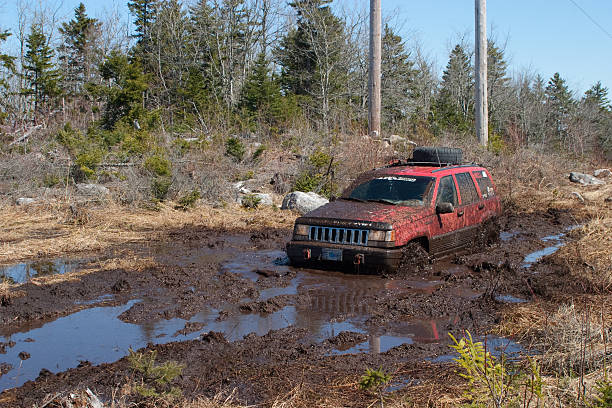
(342, 213)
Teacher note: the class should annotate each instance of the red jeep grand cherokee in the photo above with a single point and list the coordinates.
(439, 204)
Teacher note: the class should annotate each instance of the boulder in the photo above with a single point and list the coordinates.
(602, 173)
(264, 199)
(584, 179)
(92, 189)
(25, 201)
(303, 202)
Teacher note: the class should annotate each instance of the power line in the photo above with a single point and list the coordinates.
(591, 18)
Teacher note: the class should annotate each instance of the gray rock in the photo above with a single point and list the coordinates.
(264, 199)
(25, 201)
(303, 202)
(578, 196)
(608, 200)
(584, 179)
(92, 189)
(602, 173)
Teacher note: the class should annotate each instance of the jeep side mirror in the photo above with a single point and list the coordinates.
(444, 208)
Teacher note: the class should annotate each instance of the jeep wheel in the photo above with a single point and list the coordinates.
(415, 259)
(447, 155)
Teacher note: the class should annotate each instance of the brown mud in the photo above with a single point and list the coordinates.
(230, 309)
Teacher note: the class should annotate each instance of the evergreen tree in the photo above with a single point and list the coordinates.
(398, 75)
(79, 52)
(144, 12)
(261, 94)
(124, 92)
(497, 86)
(199, 82)
(7, 63)
(169, 39)
(312, 56)
(560, 103)
(454, 107)
(597, 96)
(41, 75)
(7, 69)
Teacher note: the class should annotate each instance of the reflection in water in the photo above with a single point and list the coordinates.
(23, 272)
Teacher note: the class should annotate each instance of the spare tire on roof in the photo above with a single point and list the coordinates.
(443, 155)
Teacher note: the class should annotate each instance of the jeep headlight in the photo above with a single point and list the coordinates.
(301, 229)
(375, 235)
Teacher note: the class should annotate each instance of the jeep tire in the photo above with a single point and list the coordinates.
(447, 155)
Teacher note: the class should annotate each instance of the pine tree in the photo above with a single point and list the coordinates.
(79, 52)
(312, 56)
(456, 99)
(560, 103)
(7, 63)
(397, 80)
(41, 75)
(261, 94)
(7, 69)
(597, 96)
(144, 12)
(124, 92)
(169, 39)
(497, 86)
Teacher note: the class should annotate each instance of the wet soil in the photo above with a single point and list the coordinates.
(230, 308)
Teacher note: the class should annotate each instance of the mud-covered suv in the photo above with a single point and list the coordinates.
(432, 200)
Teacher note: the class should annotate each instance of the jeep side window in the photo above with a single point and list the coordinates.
(484, 183)
(467, 188)
(446, 191)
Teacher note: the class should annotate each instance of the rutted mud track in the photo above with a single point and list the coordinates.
(305, 326)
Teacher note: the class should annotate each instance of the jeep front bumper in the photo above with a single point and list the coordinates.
(328, 255)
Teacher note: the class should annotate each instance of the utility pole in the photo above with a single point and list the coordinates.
(482, 105)
(375, 73)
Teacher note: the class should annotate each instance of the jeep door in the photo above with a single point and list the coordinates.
(444, 227)
(470, 206)
(489, 202)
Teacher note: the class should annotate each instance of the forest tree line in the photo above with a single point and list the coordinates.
(267, 66)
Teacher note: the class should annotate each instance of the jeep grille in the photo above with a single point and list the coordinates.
(339, 235)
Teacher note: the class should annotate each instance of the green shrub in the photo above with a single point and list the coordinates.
(188, 200)
(85, 164)
(234, 148)
(375, 380)
(492, 382)
(604, 394)
(250, 201)
(158, 165)
(318, 176)
(258, 152)
(50, 180)
(156, 377)
(160, 187)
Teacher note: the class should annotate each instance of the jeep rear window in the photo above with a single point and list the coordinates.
(397, 190)
(484, 183)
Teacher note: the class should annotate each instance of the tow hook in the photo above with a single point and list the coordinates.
(307, 254)
(358, 260)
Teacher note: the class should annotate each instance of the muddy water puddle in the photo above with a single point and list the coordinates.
(23, 272)
(329, 303)
(553, 242)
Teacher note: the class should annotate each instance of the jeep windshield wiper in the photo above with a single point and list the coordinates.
(352, 199)
(381, 200)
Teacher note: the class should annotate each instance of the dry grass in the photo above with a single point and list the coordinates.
(589, 254)
(42, 231)
(567, 337)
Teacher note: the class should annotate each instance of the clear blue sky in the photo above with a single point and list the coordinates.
(546, 36)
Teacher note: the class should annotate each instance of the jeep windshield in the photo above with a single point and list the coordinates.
(395, 190)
